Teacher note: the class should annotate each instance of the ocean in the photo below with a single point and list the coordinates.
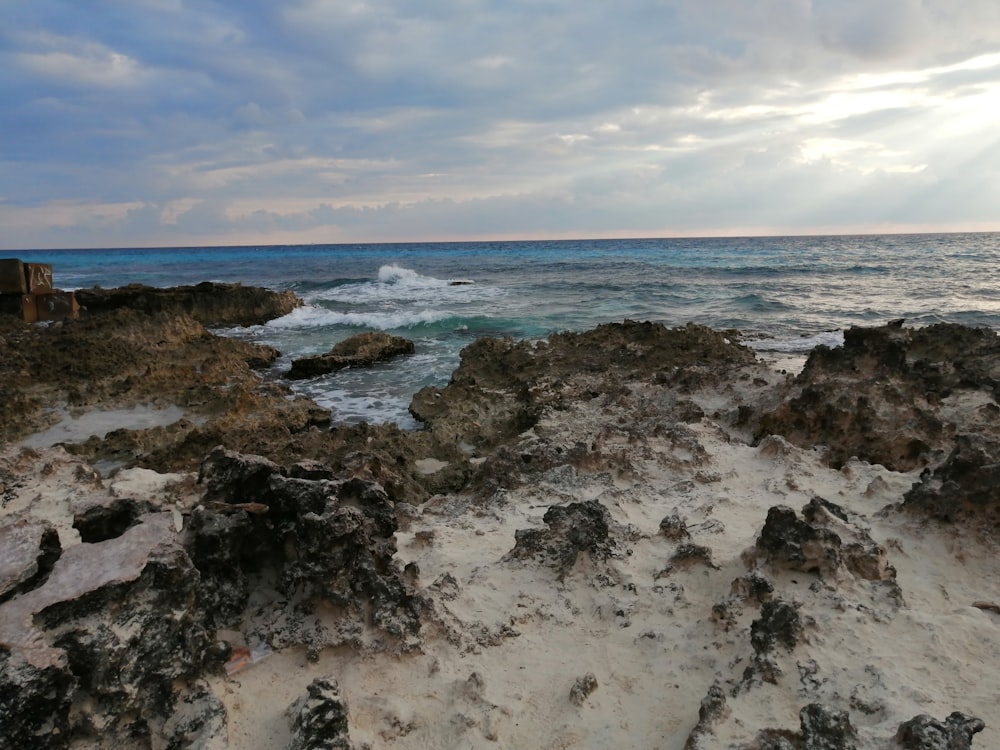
(783, 294)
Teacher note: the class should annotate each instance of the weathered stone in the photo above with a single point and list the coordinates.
(876, 396)
(967, 483)
(28, 550)
(324, 539)
(779, 623)
(688, 554)
(95, 633)
(362, 350)
(320, 718)
(570, 530)
(924, 732)
(502, 386)
(788, 541)
(210, 303)
(752, 588)
(825, 728)
(712, 712)
(582, 689)
(674, 528)
(232, 477)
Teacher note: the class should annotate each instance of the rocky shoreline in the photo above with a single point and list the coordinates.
(633, 536)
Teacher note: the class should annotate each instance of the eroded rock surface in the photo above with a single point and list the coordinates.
(320, 718)
(210, 303)
(570, 530)
(924, 732)
(502, 386)
(363, 350)
(884, 396)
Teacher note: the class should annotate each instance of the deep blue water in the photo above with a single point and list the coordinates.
(782, 293)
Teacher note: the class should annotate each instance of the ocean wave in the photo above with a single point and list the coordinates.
(799, 344)
(395, 284)
(310, 316)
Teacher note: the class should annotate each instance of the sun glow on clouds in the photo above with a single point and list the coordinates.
(371, 119)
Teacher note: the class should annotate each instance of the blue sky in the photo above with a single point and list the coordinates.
(167, 122)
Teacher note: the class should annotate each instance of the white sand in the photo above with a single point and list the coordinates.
(509, 639)
(498, 667)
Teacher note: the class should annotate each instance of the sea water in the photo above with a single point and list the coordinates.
(783, 294)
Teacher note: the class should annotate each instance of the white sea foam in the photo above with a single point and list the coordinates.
(310, 316)
(396, 284)
(799, 344)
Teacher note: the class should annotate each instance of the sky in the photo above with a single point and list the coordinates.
(134, 123)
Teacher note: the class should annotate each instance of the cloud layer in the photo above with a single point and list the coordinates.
(169, 122)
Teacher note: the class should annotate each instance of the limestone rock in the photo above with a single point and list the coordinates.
(95, 634)
(28, 551)
(712, 712)
(879, 396)
(320, 718)
(363, 350)
(923, 732)
(570, 530)
(210, 303)
(582, 689)
(967, 483)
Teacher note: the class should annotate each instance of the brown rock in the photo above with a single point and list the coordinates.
(209, 303)
(363, 350)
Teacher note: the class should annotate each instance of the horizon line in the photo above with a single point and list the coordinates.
(541, 238)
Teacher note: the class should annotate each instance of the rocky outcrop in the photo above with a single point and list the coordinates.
(124, 359)
(570, 530)
(965, 484)
(210, 303)
(820, 728)
(924, 732)
(318, 539)
(94, 635)
(881, 396)
(28, 551)
(320, 718)
(363, 350)
(826, 543)
(712, 711)
(502, 386)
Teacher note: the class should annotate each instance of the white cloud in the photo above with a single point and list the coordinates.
(374, 119)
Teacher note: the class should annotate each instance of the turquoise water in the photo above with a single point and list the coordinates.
(783, 293)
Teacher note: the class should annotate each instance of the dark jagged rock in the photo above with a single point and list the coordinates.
(878, 396)
(752, 588)
(812, 546)
(789, 541)
(35, 702)
(779, 624)
(232, 477)
(570, 530)
(28, 551)
(502, 386)
(924, 732)
(674, 528)
(362, 350)
(711, 713)
(325, 539)
(210, 303)
(582, 688)
(688, 554)
(825, 728)
(90, 650)
(320, 718)
(967, 483)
